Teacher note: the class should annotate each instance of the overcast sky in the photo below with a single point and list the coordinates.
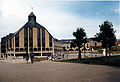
(60, 18)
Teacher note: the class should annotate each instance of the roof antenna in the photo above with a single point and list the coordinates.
(32, 9)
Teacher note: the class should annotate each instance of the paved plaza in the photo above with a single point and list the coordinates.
(47, 71)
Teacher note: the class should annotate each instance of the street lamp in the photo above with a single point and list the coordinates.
(67, 49)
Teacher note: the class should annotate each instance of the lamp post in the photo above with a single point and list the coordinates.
(67, 50)
(84, 49)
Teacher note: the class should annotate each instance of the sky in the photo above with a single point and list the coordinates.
(60, 17)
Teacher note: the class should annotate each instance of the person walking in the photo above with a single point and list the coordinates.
(63, 56)
(32, 56)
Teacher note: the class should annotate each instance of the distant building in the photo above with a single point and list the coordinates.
(58, 46)
(118, 42)
(31, 37)
(66, 43)
(88, 46)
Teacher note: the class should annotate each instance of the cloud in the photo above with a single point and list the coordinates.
(0, 13)
(117, 10)
(63, 25)
(60, 24)
(118, 32)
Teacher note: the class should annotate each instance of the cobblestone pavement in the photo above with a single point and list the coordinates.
(47, 71)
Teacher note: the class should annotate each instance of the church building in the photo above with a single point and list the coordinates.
(31, 37)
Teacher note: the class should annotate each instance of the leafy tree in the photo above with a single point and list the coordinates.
(106, 35)
(80, 37)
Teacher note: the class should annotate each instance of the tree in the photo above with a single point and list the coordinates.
(106, 35)
(80, 37)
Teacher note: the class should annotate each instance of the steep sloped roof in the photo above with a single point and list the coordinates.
(31, 23)
(31, 14)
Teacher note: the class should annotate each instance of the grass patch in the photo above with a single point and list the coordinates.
(112, 61)
(39, 59)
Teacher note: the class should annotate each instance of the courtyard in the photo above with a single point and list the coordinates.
(48, 71)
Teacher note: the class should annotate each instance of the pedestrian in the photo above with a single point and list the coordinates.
(47, 57)
(27, 57)
(63, 55)
(32, 56)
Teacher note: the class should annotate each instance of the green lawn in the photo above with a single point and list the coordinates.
(112, 61)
